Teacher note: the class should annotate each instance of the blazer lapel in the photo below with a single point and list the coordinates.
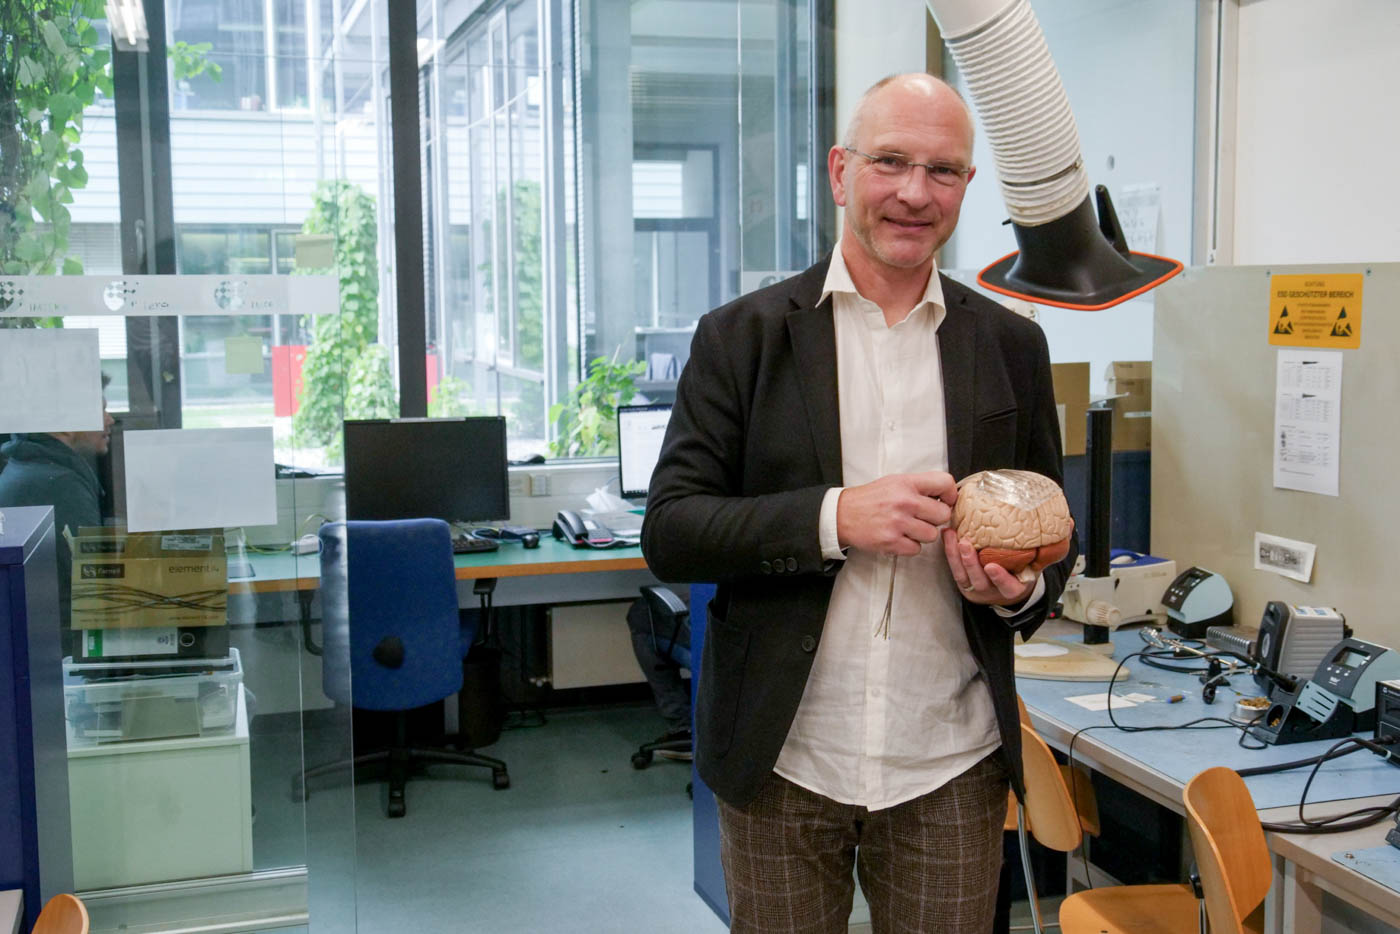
(957, 346)
(813, 334)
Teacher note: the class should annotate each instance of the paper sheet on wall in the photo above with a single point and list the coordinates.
(51, 380)
(1139, 207)
(1308, 420)
(195, 478)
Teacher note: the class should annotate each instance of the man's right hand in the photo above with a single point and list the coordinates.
(895, 515)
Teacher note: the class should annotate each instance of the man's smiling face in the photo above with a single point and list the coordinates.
(901, 222)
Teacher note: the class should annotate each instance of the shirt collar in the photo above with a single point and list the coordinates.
(838, 280)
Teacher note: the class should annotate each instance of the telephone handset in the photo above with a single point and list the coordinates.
(580, 532)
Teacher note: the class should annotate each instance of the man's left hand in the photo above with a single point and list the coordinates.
(992, 585)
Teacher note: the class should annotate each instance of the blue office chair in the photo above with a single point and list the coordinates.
(669, 619)
(389, 607)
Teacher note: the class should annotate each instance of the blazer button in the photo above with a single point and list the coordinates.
(809, 643)
(765, 567)
(792, 564)
(778, 565)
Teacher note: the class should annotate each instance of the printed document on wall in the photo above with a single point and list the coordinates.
(1308, 420)
(198, 478)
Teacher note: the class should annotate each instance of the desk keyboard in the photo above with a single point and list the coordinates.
(470, 544)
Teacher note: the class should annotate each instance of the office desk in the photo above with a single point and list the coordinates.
(1158, 765)
(1304, 868)
(555, 572)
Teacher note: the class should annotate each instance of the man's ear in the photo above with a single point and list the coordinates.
(836, 173)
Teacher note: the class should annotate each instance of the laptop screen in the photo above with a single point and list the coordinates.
(640, 431)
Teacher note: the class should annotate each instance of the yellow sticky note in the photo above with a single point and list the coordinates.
(315, 251)
(243, 355)
(1322, 310)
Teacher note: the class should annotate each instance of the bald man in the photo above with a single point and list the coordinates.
(856, 705)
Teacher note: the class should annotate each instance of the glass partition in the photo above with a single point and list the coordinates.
(185, 427)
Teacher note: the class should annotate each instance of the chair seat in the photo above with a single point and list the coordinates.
(1131, 909)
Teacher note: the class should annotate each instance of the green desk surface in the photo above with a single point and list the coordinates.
(282, 571)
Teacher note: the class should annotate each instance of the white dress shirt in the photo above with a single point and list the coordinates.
(884, 720)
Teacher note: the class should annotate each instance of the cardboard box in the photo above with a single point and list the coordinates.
(149, 579)
(1132, 413)
(1071, 401)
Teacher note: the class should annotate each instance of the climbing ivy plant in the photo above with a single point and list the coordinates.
(346, 373)
(50, 69)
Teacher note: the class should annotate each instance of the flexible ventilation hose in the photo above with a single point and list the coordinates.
(1001, 51)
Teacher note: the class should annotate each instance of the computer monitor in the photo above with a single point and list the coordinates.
(427, 468)
(640, 431)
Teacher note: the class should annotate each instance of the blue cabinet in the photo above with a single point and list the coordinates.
(33, 749)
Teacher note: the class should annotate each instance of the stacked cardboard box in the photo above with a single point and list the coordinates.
(1131, 382)
(152, 593)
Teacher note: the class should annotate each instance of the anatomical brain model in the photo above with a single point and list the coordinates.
(1015, 518)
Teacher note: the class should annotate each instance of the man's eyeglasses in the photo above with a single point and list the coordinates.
(892, 166)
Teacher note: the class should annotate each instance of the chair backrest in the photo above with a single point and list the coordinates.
(1050, 810)
(389, 604)
(64, 914)
(668, 613)
(1231, 854)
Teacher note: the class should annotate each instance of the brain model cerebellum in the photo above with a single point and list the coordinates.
(1015, 518)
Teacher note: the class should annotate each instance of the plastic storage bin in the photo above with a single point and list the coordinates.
(111, 702)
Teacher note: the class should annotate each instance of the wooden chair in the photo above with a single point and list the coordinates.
(1231, 854)
(64, 914)
(1124, 909)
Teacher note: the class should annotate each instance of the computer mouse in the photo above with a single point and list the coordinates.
(530, 540)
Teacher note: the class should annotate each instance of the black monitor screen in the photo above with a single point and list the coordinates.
(640, 431)
(427, 468)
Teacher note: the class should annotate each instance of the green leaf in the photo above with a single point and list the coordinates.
(30, 73)
(53, 39)
(72, 266)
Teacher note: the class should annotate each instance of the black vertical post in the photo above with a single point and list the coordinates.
(1099, 442)
(142, 98)
(405, 135)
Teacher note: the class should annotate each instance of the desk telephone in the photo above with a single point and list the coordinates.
(580, 532)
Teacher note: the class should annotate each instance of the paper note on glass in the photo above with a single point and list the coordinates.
(314, 251)
(196, 478)
(243, 355)
(51, 380)
(1308, 420)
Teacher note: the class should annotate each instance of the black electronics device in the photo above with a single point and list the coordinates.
(1387, 711)
(527, 537)
(1197, 600)
(452, 469)
(640, 431)
(570, 527)
(1337, 701)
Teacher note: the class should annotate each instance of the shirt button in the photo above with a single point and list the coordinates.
(765, 567)
(809, 643)
(792, 564)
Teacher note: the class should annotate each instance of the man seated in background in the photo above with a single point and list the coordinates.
(671, 691)
(56, 469)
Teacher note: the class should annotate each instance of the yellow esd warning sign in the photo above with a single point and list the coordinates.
(1321, 310)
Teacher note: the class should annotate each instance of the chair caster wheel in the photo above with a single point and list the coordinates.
(500, 780)
(641, 760)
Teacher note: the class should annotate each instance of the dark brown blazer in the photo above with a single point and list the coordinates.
(754, 443)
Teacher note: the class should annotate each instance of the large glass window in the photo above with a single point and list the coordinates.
(549, 148)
